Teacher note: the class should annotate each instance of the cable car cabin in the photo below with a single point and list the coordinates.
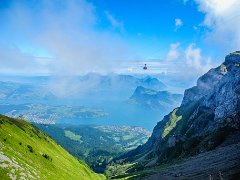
(145, 67)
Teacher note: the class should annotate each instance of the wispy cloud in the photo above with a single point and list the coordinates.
(178, 23)
(190, 61)
(14, 61)
(173, 52)
(195, 60)
(118, 25)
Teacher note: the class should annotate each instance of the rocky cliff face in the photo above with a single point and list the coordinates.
(209, 113)
(218, 91)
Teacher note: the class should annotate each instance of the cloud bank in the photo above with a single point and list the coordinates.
(222, 18)
(67, 30)
(14, 61)
(187, 61)
(114, 22)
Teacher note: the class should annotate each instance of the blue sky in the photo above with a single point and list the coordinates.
(175, 37)
(152, 20)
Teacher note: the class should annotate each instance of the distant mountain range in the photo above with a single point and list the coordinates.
(118, 81)
(24, 91)
(91, 85)
(119, 86)
(158, 100)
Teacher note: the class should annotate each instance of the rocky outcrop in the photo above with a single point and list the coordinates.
(157, 100)
(152, 83)
(218, 90)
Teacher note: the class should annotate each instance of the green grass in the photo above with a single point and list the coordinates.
(98, 145)
(72, 136)
(118, 170)
(127, 137)
(171, 124)
(27, 152)
(223, 68)
(236, 52)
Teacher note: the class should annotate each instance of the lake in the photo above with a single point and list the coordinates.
(120, 113)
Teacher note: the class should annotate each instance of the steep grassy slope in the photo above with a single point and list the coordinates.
(26, 152)
(96, 145)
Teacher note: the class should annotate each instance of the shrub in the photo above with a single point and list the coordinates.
(47, 157)
(30, 148)
(220, 135)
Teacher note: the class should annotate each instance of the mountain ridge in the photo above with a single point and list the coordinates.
(153, 99)
(208, 115)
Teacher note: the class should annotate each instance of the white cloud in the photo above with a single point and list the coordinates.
(187, 61)
(114, 22)
(179, 62)
(178, 23)
(194, 59)
(173, 53)
(66, 29)
(14, 61)
(195, 28)
(222, 18)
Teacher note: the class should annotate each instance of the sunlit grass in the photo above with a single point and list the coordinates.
(27, 147)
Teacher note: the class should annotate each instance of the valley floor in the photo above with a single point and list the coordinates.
(221, 163)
